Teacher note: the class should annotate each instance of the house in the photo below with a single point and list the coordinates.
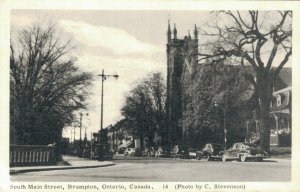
(281, 117)
(280, 113)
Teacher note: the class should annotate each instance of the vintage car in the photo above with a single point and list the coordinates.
(101, 152)
(192, 153)
(160, 152)
(243, 152)
(129, 152)
(148, 152)
(145, 152)
(210, 152)
(180, 151)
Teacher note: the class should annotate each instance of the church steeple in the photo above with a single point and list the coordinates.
(169, 33)
(195, 32)
(178, 66)
(175, 31)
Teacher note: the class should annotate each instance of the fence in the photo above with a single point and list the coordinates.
(30, 155)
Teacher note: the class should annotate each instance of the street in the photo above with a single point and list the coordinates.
(164, 170)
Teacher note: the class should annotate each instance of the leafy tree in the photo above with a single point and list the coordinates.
(45, 85)
(144, 109)
(224, 84)
(261, 40)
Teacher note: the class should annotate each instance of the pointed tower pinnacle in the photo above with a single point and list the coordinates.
(169, 33)
(195, 32)
(189, 35)
(175, 31)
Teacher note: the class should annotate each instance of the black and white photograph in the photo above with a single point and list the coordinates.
(190, 100)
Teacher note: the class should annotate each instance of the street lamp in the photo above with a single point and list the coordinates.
(74, 133)
(80, 139)
(216, 104)
(103, 77)
(85, 136)
(74, 143)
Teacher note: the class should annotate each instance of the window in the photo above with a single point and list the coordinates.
(234, 146)
(278, 99)
(239, 146)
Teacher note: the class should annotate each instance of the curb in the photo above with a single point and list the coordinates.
(152, 158)
(12, 172)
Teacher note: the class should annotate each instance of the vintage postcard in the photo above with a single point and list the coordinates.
(149, 96)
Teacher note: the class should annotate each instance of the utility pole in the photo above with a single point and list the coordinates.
(216, 104)
(225, 130)
(80, 140)
(103, 78)
(91, 145)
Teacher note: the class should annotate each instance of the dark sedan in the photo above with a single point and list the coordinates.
(210, 152)
(243, 152)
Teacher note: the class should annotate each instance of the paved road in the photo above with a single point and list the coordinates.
(170, 170)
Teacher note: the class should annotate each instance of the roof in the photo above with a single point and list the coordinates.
(289, 88)
(285, 100)
(284, 80)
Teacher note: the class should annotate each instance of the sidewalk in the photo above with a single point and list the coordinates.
(75, 163)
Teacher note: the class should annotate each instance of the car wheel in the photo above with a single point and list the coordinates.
(242, 158)
(224, 158)
(198, 157)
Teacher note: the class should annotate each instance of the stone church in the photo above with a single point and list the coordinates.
(182, 65)
(177, 68)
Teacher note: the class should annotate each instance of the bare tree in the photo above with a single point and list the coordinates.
(261, 40)
(46, 86)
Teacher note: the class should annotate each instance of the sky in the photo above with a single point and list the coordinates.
(131, 44)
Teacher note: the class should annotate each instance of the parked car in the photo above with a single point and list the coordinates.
(145, 152)
(180, 151)
(210, 152)
(129, 152)
(102, 152)
(138, 152)
(151, 152)
(160, 152)
(192, 153)
(243, 152)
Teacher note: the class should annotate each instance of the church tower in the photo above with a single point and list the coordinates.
(181, 59)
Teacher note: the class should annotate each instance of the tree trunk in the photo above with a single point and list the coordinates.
(58, 143)
(265, 132)
(142, 140)
(264, 86)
